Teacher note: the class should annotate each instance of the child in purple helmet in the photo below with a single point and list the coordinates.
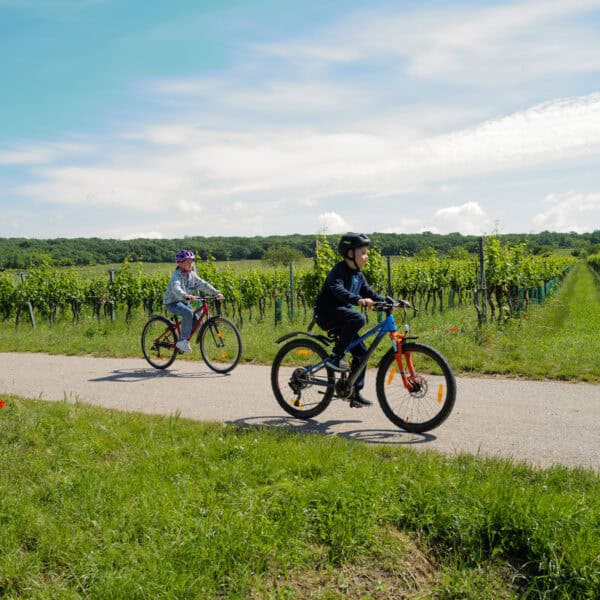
(182, 284)
(345, 287)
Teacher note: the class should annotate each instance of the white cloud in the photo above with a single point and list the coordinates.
(569, 212)
(261, 172)
(142, 189)
(38, 154)
(468, 218)
(189, 207)
(332, 222)
(406, 225)
(30, 156)
(463, 43)
(148, 235)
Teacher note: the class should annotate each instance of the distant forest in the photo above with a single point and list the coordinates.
(22, 253)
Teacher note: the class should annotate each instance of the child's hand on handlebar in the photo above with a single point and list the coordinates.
(368, 302)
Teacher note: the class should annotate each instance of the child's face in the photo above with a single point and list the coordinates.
(361, 255)
(186, 265)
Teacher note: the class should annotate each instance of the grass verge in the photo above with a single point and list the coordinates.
(103, 504)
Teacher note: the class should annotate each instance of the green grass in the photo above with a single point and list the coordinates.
(103, 504)
(557, 340)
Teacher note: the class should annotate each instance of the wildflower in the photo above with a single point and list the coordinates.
(2, 405)
(454, 329)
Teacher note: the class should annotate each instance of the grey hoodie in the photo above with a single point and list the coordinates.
(182, 283)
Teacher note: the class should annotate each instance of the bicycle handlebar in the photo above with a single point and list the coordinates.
(205, 298)
(390, 304)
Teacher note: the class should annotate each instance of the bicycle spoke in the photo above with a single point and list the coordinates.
(158, 342)
(220, 344)
(422, 397)
(300, 391)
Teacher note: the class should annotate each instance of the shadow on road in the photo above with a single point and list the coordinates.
(371, 436)
(135, 375)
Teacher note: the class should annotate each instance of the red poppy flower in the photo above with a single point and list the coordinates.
(2, 404)
(454, 329)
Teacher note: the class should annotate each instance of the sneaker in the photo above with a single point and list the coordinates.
(336, 363)
(184, 346)
(358, 401)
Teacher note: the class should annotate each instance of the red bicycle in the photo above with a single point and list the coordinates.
(219, 339)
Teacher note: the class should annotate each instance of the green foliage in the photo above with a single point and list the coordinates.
(7, 296)
(323, 262)
(375, 270)
(594, 261)
(278, 256)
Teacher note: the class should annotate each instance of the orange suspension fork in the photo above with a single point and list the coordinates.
(397, 339)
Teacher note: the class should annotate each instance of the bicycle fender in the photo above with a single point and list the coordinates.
(315, 336)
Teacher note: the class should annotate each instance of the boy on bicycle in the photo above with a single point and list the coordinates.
(345, 287)
(183, 282)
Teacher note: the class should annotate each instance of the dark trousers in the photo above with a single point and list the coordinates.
(346, 322)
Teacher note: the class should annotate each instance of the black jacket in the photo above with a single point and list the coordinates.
(338, 290)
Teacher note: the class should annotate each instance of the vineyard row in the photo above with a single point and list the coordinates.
(512, 279)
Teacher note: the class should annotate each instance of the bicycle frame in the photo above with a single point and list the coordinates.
(203, 308)
(388, 325)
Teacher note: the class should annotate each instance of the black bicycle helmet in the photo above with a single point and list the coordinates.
(351, 241)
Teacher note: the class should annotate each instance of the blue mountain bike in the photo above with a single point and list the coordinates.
(415, 385)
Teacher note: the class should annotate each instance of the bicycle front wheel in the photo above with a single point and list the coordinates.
(428, 396)
(300, 391)
(220, 344)
(159, 337)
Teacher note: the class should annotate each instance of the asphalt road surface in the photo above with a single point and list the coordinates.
(538, 422)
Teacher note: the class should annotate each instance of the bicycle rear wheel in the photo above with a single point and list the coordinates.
(220, 344)
(433, 388)
(294, 386)
(159, 337)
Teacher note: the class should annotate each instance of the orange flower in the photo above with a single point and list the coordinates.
(454, 329)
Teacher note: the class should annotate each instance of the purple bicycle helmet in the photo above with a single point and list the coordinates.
(184, 255)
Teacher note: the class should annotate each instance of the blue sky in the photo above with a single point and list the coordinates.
(166, 119)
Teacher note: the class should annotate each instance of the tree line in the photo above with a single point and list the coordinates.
(25, 253)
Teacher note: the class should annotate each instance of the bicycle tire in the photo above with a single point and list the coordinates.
(158, 340)
(432, 400)
(220, 344)
(306, 401)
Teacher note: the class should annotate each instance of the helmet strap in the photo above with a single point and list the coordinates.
(353, 259)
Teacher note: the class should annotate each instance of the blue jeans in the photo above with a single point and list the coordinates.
(186, 312)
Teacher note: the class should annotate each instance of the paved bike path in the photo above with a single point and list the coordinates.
(541, 423)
